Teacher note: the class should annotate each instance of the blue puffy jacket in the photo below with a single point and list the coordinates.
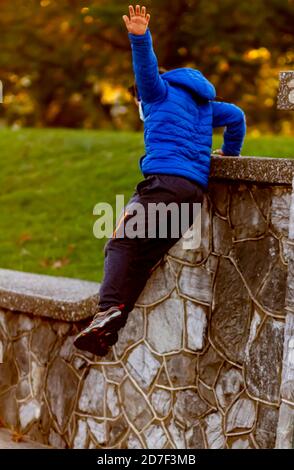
(179, 117)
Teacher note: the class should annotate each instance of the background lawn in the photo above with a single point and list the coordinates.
(50, 180)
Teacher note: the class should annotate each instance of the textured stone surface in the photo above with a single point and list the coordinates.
(209, 366)
(266, 426)
(21, 351)
(136, 407)
(7, 442)
(133, 442)
(56, 441)
(262, 195)
(214, 432)
(241, 416)
(231, 312)
(196, 255)
(112, 401)
(287, 387)
(181, 370)
(286, 93)
(61, 389)
(219, 195)
(280, 210)
(246, 218)
(229, 385)
(284, 438)
(161, 402)
(37, 377)
(155, 437)
(42, 343)
(8, 374)
(159, 287)
(163, 378)
(1, 351)
(81, 437)
(177, 435)
(8, 408)
(196, 283)
(28, 413)
(222, 236)
(116, 431)
(4, 316)
(142, 366)
(196, 324)
(93, 402)
(114, 373)
(254, 259)
(189, 407)
(264, 361)
(273, 292)
(167, 317)
(290, 282)
(23, 390)
(291, 218)
(194, 438)
(67, 350)
(240, 443)
(133, 332)
(207, 394)
(23, 324)
(98, 429)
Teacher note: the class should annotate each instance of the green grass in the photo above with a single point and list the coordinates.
(50, 181)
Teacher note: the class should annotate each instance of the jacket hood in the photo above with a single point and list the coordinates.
(191, 79)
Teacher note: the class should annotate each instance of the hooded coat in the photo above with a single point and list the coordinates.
(179, 116)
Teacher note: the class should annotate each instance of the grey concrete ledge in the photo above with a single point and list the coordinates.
(48, 296)
(255, 169)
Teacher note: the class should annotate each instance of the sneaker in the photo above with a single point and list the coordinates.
(102, 332)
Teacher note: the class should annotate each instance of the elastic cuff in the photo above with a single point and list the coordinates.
(140, 37)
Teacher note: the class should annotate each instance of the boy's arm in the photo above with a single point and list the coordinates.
(233, 118)
(151, 86)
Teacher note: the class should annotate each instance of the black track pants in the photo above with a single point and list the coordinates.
(129, 261)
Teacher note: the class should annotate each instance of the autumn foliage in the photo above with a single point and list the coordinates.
(67, 63)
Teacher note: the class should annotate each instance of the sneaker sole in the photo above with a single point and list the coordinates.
(98, 339)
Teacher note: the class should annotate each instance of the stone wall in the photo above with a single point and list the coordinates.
(206, 358)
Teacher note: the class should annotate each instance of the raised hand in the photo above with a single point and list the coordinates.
(138, 21)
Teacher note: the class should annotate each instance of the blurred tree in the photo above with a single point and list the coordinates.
(68, 62)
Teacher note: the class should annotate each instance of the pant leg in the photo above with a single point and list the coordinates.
(129, 261)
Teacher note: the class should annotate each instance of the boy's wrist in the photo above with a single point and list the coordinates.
(140, 37)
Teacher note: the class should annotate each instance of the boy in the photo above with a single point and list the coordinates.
(179, 114)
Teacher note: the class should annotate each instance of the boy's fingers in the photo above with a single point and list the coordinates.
(126, 19)
(147, 18)
(138, 10)
(143, 11)
(131, 10)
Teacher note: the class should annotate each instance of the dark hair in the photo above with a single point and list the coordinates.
(133, 89)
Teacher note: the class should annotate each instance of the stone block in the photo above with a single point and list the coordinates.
(286, 91)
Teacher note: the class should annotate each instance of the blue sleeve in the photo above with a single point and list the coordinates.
(233, 118)
(151, 86)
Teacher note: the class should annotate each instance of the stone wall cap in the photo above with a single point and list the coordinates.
(48, 296)
(255, 169)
